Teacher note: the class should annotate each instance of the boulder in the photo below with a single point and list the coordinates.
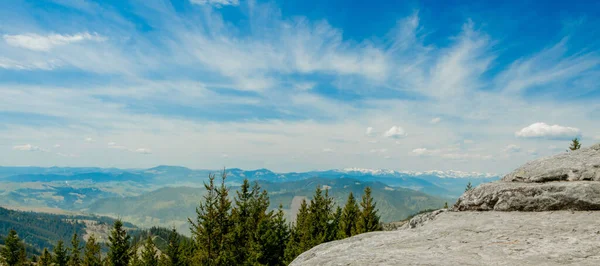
(516, 196)
(472, 238)
(579, 165)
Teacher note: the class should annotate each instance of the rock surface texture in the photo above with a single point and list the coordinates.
(540, 214)
(473, 238)
(580, 165)
(568, 181)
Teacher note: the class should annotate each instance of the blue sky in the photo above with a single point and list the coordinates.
(297, 85)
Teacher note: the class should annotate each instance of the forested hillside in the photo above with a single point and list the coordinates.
(171, 206)
(42, 230)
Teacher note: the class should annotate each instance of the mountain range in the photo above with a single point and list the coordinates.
(168, 195)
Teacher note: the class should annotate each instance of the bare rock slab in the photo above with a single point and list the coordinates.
(473, 238)
(515, 196)
(580, 165)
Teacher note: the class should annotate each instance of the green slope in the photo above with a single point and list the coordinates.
(172, 206)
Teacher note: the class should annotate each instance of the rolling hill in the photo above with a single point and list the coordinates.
(171, 206)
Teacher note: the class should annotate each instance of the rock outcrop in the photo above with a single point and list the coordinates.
(473, 238)
(540, 214)
(580, 165)
(568, 181)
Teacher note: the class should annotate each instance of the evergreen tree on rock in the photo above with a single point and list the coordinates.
(575, 144)
(119, 252)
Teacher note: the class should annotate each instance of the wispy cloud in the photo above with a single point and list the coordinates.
(45, 43)
(216, 3)
(28, 147)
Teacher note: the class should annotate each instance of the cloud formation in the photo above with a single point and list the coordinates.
(216, 3)
(27, 147)
(543, 130)
(395, 132)
(46, 43)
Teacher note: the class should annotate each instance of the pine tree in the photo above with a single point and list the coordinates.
(46, 258)
(299, 235)
(243, 226)
(212, 230)
(173, 250)
(575, 145)
(469, 187)
(119, 252)
(349, 217)
(91, 255)
(368, 219)
(271, 238)
(75, 251)
(335, 224)
(445, 205)
(224, 224)
(320, 217)
(163, 260)
(204, 230)
(149, 257)
(60, 254)
(11, 253)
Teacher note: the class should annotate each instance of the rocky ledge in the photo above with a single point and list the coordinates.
(540, 214)
(473, 238)
(568, 181)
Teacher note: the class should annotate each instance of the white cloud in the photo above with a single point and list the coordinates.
(395, 132)
(468, 141)
(57, 146)
(512, 148)
(27, 147)
(424, 151)
(369, 132)
(382, 150)
(37, 42)
(327, 150)
(69, 155)
(143, 151)
(89, 139)
(216, 3)
(543, 130)
(435, 120)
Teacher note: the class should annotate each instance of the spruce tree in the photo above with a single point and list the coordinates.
(320, 215)
(368, 219)
(224, 224)
(212, 230)
(91, 255)
(46, 258)
(119, 252)
(149, 256)
(335, 224)
(271, 238)
(349, 217)
(60, 254)
(75, 252)
(173, 250)
(299, 236)
(469, 187)
(243, 225)
(575, 145)
(11, 253)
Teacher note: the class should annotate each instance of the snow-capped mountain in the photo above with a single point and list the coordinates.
(438, 173)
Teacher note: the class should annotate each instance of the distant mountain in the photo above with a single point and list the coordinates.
(77, 188)
(171, 206)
